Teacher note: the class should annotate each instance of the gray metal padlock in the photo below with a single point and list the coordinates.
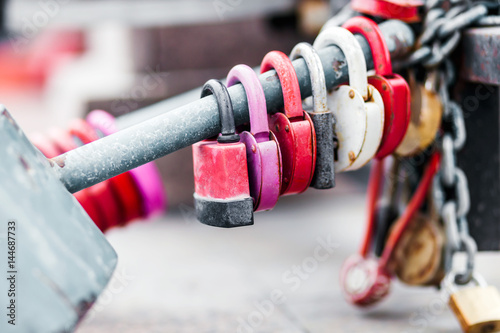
(321, 116)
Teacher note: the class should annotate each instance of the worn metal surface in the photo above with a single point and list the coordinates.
(324, 174)
(224, 213)
(480, 160)
(481, 60)
(479, 95)
(196, 121)
(62, 261)
(321, 117)
(425, 121)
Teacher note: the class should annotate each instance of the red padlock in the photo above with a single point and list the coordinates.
(293, 127)
(103, 192)
(64, 142)
(222, 189)
(404, 10)
(394, 89)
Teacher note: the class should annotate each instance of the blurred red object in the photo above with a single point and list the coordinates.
(33, 62)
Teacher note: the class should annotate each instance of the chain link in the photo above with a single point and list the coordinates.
(442, 29)
(451, 189)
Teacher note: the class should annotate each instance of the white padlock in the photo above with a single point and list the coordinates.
(358, 108)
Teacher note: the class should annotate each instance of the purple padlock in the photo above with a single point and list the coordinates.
(263, 152)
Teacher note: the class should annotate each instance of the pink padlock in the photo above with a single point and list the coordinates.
(262, 147)
(147, 177)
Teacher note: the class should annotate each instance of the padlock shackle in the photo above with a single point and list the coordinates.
(371, 32)
(226, 114)
(355, 58)
(415, 203)
(316, 72)
(289, 81)
(374, 188)
(256, 98)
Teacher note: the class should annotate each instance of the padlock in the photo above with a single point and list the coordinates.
(393, 88)
(363, 280)
(426, 115)
(403, 223)
(130, 200)
(64, 143)
(293, 127)
(404, 10)
(418, 257)
(146, 178)
(222, 190)
(262, 147)
(104, 192)
(358, 108)
(321, 116)
(477, 308)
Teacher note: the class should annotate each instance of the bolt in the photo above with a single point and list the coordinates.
(384, 86)
(287, 128)
(351, 94)
(277, 128)
(352, 156)
(254, 149)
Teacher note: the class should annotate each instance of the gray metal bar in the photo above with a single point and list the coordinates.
(199, 120)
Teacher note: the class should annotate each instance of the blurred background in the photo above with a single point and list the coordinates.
(60, 59)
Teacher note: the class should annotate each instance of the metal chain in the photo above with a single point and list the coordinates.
(451, 189)
(442, 29)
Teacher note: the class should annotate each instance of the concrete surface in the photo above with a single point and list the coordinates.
(177, 275)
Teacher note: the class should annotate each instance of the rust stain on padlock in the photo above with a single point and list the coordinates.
(417, 258)
(426, 114)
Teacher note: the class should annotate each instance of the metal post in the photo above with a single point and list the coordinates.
(199, 120)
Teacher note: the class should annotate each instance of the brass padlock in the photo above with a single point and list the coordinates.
(418, 259)
(477, 308)
(426, 114)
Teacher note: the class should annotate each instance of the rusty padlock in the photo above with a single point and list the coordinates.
(418, 256)
(321, 116)
(293, 127)
(393, 88)
(477, 308)
(358, 107)
(404, 10)
(426, 115)
(222, 191)
(263, 152)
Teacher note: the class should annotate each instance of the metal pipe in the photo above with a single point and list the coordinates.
(199, 120)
